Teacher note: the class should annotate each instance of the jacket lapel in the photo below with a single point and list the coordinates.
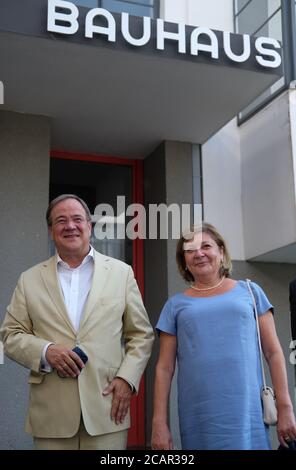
(101, 269)
(50, 278)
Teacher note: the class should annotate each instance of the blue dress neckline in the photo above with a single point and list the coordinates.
(238, 283)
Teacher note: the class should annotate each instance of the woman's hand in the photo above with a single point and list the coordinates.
(286, 427)
(161, 437)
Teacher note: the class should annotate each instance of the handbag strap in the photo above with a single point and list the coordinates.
(258, 332)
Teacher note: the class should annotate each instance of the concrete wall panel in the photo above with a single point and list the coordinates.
(24, 183)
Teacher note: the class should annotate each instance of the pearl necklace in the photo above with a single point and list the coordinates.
(208, 288)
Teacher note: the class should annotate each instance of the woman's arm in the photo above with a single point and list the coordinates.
(274, 356)
(161, 436)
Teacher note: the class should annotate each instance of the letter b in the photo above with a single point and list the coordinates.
(53, 16)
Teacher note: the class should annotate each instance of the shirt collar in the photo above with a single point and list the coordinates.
(90, 256)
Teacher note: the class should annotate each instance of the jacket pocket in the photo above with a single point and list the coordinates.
(35, 378)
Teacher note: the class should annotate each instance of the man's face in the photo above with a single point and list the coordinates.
(70, 229)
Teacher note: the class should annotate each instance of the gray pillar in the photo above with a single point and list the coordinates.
(24, 187)
(168, 180)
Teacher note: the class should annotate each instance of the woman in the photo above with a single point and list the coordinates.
(211, 329)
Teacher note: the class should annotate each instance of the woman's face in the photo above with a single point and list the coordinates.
(203, 256)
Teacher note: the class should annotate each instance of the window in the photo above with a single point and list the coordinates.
(86, 3)
(250, 16)
(133, 7)
(261, 18)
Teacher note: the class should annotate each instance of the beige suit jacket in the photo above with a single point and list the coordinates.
(114, 332)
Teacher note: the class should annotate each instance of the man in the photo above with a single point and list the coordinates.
(78, 298)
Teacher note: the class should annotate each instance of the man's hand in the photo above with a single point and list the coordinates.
(122, 394)
(64, 360)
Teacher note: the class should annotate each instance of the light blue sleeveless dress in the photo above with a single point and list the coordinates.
(219, 375)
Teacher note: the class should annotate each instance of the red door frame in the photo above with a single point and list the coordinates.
(136, 436)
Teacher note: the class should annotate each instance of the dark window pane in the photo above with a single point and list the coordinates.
(96, 183)
(86, 3)
(134, 7)
(142, 2)
(255, 5)
(262, 18)
(273, 28)
(255, 14)
(129, 7)
(239, 4)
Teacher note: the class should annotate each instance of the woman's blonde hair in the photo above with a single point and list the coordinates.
(226, 265)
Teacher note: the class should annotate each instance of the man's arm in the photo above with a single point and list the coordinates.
(20, 343)
(138, 335)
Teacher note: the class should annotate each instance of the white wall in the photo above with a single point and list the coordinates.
(216, 14)
(222, 187)
(268, 190)
(249, 175)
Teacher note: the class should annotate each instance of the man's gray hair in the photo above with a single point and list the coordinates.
(61, 198)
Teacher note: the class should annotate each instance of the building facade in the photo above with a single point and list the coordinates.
(105, 104)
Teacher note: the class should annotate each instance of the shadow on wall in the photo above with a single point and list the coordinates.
(14, 402)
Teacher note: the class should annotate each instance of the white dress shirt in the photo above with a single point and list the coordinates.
(75, 284)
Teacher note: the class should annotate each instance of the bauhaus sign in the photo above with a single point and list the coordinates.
(63, 18)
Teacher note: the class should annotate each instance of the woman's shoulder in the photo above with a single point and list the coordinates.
(253, 284)
(246, 285)
(245, 282)
(175, 298)
(257, 290)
